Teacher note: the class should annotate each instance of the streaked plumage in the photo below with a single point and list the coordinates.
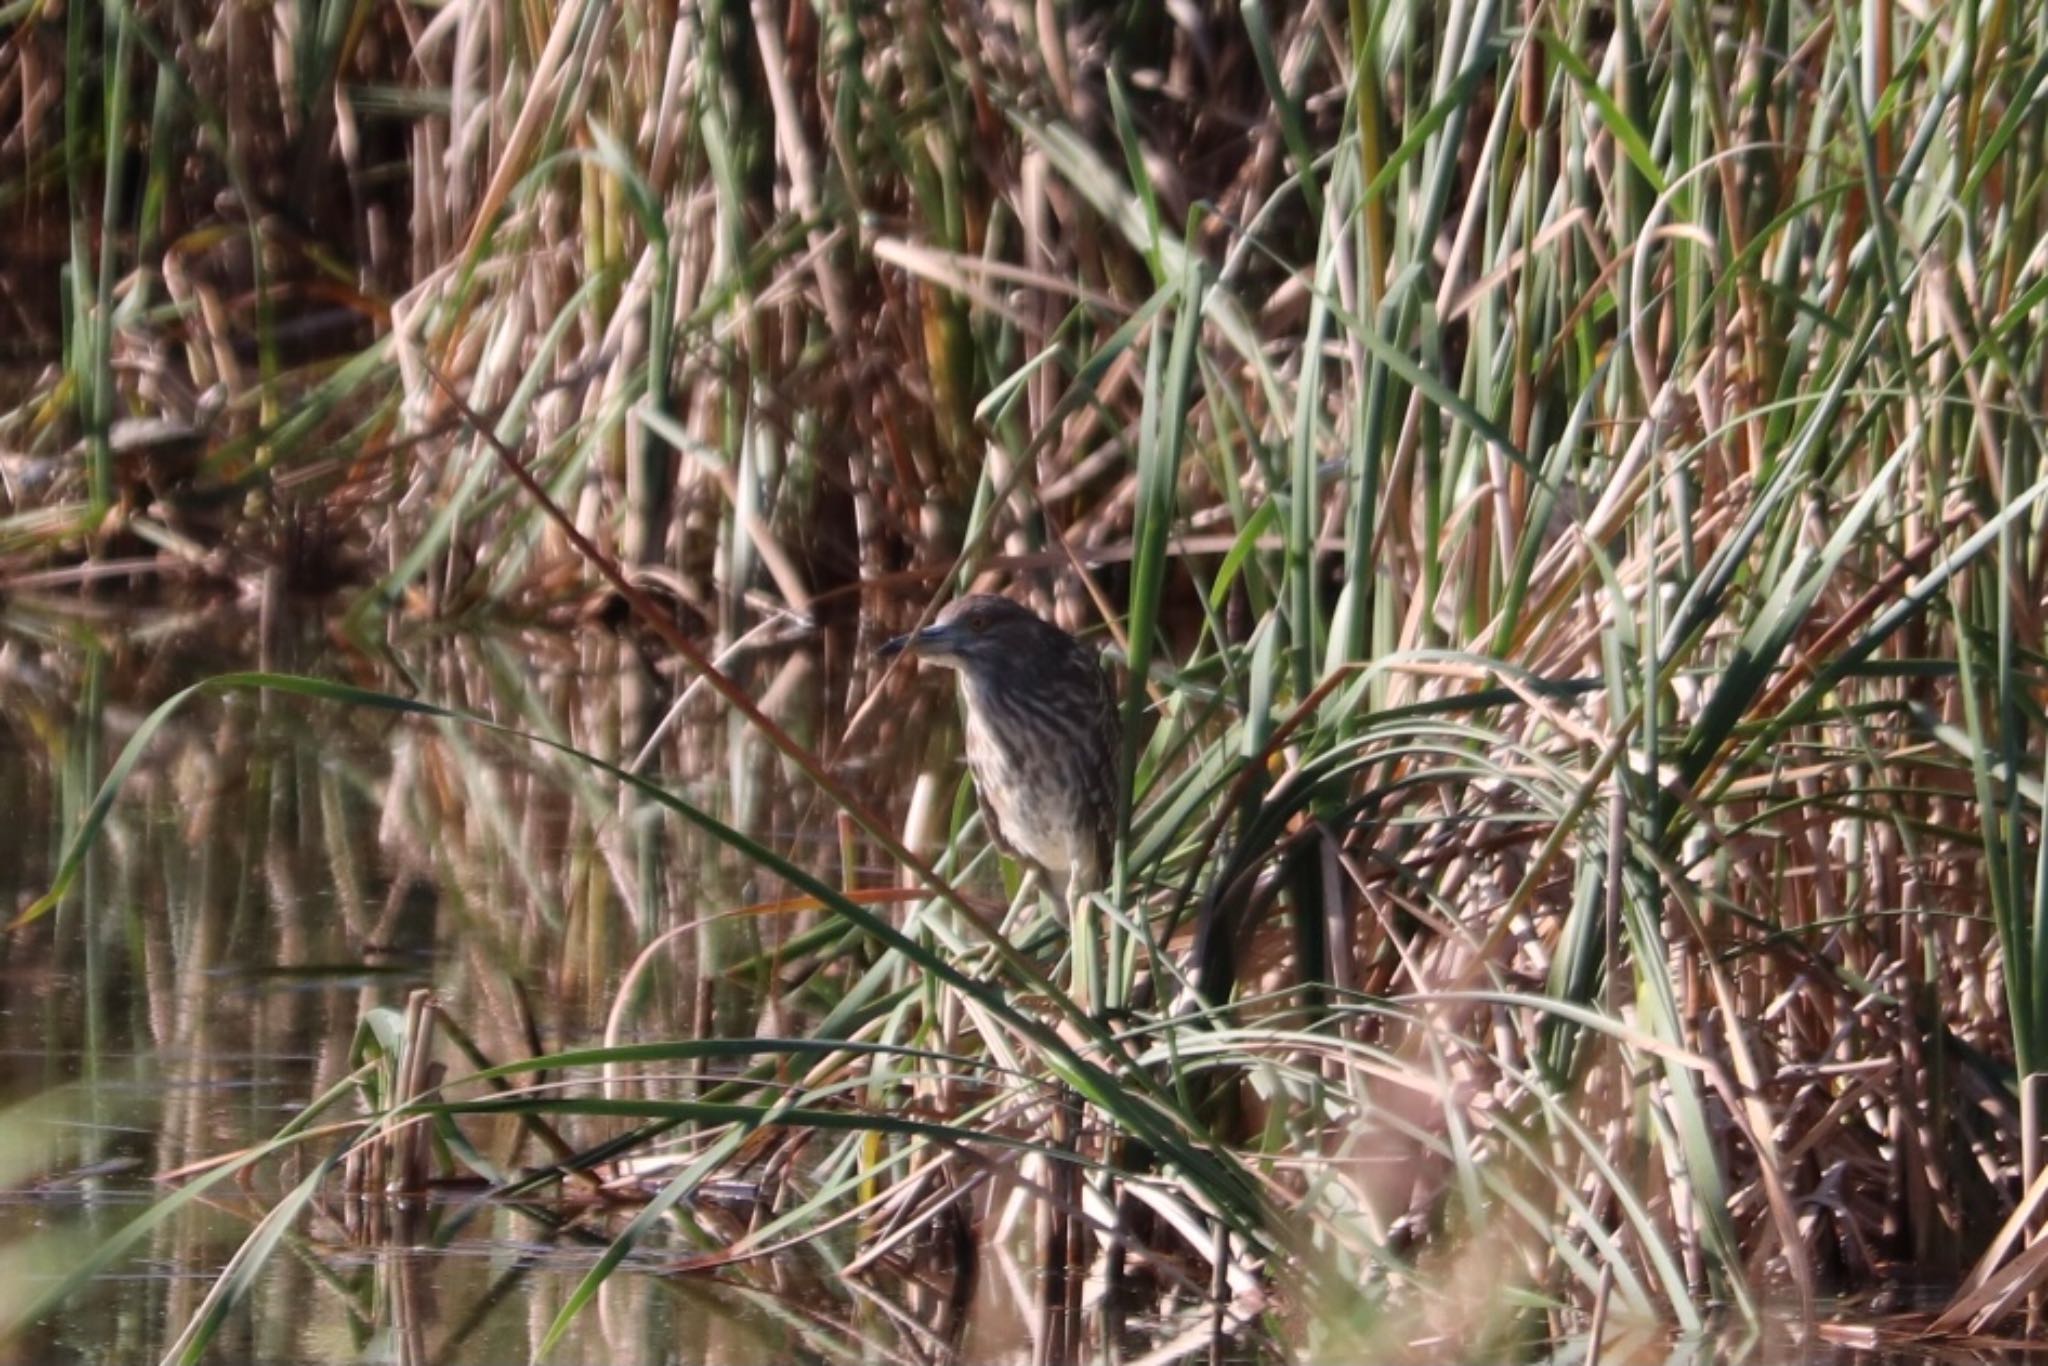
(1042, 734)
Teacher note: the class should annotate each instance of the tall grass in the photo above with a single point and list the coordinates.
(1565, 484)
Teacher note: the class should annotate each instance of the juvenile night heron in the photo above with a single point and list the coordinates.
(1041, 735)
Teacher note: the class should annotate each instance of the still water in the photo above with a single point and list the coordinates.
(278, 871)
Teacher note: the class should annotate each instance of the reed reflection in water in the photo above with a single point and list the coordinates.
(279, 873)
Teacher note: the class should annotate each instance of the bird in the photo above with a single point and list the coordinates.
(1043, 741)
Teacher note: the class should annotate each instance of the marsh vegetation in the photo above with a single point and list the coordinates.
(1561, 486)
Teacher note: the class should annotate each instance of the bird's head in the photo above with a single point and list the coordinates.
(977, 634)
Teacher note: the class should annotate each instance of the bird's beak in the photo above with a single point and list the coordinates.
(931, 638)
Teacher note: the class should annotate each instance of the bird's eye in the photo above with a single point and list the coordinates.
(978, 622)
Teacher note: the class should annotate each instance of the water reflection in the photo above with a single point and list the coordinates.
(276, 867)
(279, 871)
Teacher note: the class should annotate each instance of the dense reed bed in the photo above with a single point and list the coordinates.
(1562, 486)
